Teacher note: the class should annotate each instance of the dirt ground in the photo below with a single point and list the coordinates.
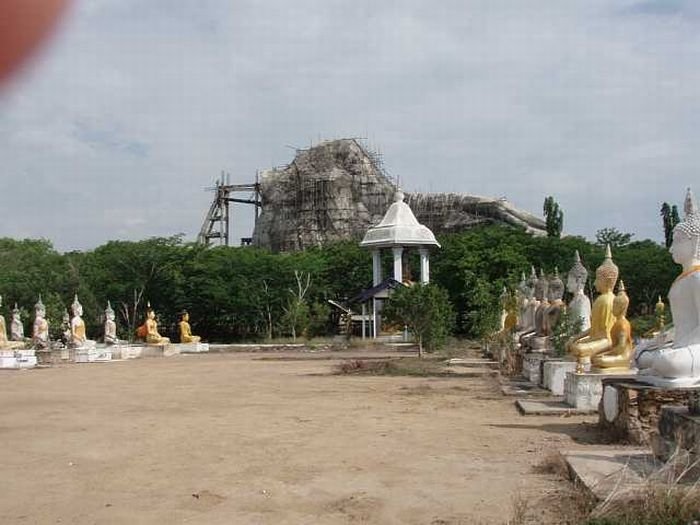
(242, 438)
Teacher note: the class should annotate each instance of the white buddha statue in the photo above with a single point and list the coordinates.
(503, 298)
(580, 304)
(78, 337)
(523, 298)
(5, 343)
(40, 329)
(679, 363)
(555, 293)
(110, 326)
(16, 326)
(528, 324)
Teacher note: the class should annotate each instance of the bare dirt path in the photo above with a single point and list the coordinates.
(233, 438)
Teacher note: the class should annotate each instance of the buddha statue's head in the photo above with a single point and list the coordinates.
(685, 248)
(556, 287)
(186, 316)
(76, 307)
(576, 279)
(541, 287)
(109, 313)
(39, 308)
(621, 301)
(606, 274)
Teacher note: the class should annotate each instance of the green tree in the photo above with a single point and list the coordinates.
(612, 236)
(425, 309)
(553, 217)
(670, 217)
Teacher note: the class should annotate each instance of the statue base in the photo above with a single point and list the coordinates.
(665, 382)
(193, 348)
(16, 359)
(584, 391)
(554, 373)
(92, 354)
(630, 410)
(532, 366)
(678, 436)
(539, 344)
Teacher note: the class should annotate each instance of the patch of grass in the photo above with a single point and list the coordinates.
(393, 367)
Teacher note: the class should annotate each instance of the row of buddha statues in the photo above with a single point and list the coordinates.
(604, 343)
(74, 332)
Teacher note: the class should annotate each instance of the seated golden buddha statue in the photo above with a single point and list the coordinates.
(78, 336)
(149, 329)
(597, 338)
(186, 331)
(617, 359)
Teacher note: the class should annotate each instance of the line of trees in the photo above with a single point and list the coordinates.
(235, 293)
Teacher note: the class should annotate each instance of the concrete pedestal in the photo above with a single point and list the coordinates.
(131, 352)
(629, 410)
(554, 373)
(584, 391)
(193, 348)
(532, 366)
(93, 354)
(679, 431)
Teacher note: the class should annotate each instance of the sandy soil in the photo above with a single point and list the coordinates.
(240, 438)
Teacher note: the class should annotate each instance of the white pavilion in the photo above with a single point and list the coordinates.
(399, 230)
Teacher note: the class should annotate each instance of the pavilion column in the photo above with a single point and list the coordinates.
(424, 266)
(376, 267)
(398, 263)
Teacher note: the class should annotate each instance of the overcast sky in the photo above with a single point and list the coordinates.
(135, 106)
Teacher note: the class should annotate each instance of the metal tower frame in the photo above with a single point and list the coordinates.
(217, 222)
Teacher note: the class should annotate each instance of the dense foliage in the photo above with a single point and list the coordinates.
(234, 292)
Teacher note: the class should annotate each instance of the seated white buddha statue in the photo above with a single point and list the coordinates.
(5, 343)
(78, 337)
(40, 329)
(528, 304)
(580, 304)
(110, 337)
(538, 287)
(542, 295)
(679, 363)
(16, 326)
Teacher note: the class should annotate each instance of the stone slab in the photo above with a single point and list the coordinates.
(547, 407)
(604, 471)
(522, 388)
(554, 374)
(473, 362)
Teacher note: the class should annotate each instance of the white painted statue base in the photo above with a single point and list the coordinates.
(131, 352)
(193, 348)
(16, 359)
(584, 391)
(554, 374)
(92, 354)
(531, 366)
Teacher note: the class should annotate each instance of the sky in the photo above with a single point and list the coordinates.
(134, 107)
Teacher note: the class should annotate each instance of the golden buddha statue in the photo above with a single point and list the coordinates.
(617, 359)
(149, 329)
(186, 331)
(597, 338)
